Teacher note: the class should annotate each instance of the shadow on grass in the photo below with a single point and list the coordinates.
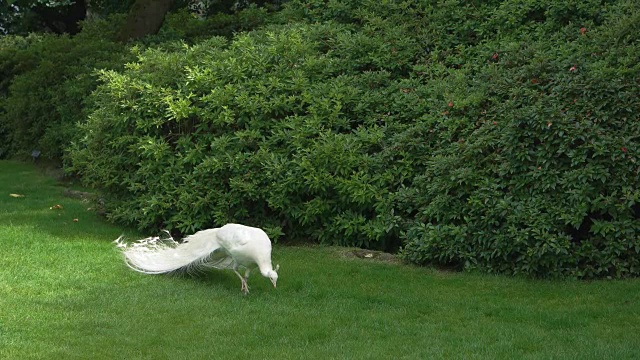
(226, 279)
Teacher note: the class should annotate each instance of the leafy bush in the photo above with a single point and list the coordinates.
(186, 26)
(12, 63)
(238, 131)
(538, 174)
(495, 135)
(46, 79)
(51, 76)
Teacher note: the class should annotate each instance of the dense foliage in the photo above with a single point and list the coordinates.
(491, 135)
(533, 169)
(251, 131)
(48, 80)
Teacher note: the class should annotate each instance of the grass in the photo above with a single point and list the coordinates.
(66, 294)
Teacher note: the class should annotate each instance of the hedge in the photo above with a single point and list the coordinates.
(498, 136)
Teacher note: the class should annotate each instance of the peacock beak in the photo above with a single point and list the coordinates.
(273, 281)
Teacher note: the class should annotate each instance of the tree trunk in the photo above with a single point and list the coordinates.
(145, 18)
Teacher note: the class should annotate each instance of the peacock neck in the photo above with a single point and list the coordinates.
(265, 269)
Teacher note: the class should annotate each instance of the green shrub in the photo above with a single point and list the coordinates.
(50, 81)
(12, 62)
(12, 59)
(450, 126)
(186, 26)
(46, 79)
(239, 131)
(539, 174)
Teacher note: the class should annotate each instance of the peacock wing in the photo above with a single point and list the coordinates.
(219, 259)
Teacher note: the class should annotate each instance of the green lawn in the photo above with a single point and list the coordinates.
(66, 294)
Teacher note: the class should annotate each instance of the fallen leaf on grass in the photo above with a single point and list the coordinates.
(16, 195)
(56, 207)
(75, 220)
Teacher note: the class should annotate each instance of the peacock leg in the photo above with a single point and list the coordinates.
(244, 288)
(246, 279)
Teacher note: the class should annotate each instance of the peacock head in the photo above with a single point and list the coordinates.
(273, 275)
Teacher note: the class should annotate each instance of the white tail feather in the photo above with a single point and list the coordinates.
(229, 247)
(157, 255)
